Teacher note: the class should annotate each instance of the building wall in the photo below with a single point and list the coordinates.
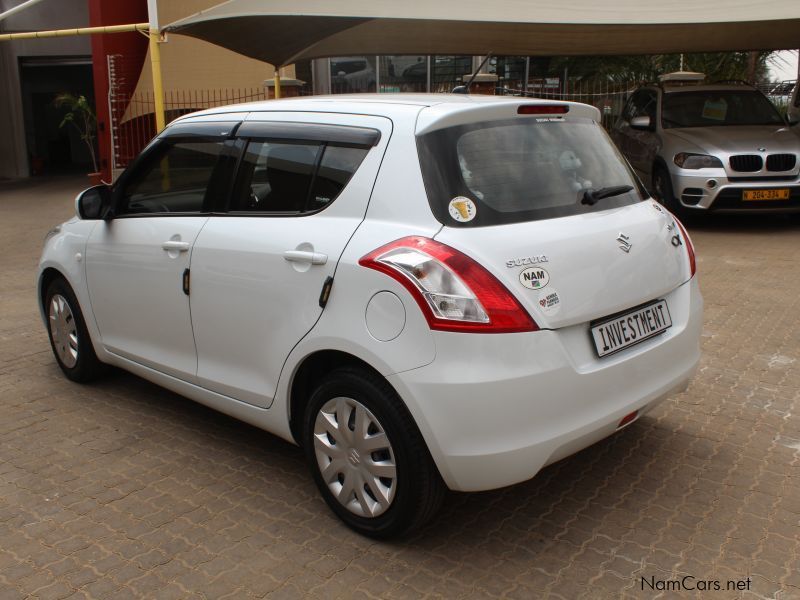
(133, 46)
(49, 14)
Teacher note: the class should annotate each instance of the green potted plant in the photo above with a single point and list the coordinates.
(82, 117)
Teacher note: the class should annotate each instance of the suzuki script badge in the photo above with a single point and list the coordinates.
(624, 243)
(526, 260)
(534, 278)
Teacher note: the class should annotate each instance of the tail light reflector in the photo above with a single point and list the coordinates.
(627, 419)
(689, 247)
(453, 291)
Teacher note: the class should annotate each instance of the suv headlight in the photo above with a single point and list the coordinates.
(686, 160)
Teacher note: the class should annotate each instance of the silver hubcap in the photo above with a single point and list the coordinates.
(63, 331)
(355, 457)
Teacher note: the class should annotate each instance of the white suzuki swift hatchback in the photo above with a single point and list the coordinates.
(424, 292)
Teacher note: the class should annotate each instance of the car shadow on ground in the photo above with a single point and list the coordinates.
(750, 222)
(570, 498)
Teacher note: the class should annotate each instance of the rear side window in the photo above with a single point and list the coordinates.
(337, 166)
(293, 177)
(522, 170)
(173, 179)
(275, 177)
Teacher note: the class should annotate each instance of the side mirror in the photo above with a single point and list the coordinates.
(642, 123)
(93, 203)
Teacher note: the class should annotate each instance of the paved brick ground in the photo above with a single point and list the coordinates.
(122, 489)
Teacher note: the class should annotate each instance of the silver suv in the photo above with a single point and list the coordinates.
(701, 147)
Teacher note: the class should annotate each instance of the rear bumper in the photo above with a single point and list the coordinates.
(495, 409)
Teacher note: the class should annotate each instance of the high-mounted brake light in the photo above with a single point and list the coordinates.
(689, 247)
(453, 291)
(542, 109)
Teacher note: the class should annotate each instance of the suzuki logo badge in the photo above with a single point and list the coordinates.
(624, 244)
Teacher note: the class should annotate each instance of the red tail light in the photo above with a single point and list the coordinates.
(689, 247)
(453, 291)
(543, 109)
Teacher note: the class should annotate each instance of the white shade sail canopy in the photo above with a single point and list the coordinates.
(284, 31)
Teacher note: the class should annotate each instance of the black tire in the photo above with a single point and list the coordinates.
(419, 488)
(86, 365)
(662, 191)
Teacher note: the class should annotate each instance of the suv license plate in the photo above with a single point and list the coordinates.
(765, 195)
(630, 328)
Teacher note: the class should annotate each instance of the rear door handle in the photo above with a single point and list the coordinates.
(176, 245)
(301, 256)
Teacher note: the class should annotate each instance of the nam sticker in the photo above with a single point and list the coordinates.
(550, 302)
(534, 278)
(462, 209)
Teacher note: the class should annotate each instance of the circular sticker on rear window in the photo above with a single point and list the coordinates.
(462, 209)
(534, 278)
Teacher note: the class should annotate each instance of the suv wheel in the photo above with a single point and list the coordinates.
(662, 191)
(367, 456)
(68, 335)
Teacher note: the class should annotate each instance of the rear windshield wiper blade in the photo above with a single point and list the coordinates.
(591, 196)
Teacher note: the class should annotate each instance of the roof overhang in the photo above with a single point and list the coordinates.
(278, 32)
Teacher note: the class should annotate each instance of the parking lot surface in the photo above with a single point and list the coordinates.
(121, 489)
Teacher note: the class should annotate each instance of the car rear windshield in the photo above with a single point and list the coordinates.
(714, 109)
(523, 169)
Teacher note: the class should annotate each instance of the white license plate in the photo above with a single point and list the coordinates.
(630, 328)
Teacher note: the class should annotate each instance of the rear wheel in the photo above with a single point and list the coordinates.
(68, 335)
(367, 456)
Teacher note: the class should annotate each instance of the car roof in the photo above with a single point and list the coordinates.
(380, 104)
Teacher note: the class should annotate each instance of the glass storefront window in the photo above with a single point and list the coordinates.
(447, 72)
(353, 74)
(403, 74)
(510, 71)
(410, 74)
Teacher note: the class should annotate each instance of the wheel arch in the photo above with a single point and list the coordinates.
(311, 369)
(46, 277)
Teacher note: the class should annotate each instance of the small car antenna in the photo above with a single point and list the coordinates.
(464, 89)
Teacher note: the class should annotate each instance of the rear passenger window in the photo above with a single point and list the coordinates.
(174, 179)
(293, 177)
(337, 166)
(275, 177)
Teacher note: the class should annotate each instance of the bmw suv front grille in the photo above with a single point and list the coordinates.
(746, 163)
(752, 163)
(781, 162)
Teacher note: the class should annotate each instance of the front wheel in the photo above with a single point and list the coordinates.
(368, 457)
(68, 335)
(663, 192)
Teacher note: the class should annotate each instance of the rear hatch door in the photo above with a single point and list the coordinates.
(580, 268)
(538, 194)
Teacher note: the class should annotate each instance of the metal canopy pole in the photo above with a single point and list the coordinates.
(155, 66)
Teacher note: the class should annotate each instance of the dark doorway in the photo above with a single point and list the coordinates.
(53, 149)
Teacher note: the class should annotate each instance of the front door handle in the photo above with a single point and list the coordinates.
(176, 246)
(301, 256)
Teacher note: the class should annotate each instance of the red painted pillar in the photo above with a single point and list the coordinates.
(132, 48)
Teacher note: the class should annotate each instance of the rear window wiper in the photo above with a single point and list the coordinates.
(591, 196)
